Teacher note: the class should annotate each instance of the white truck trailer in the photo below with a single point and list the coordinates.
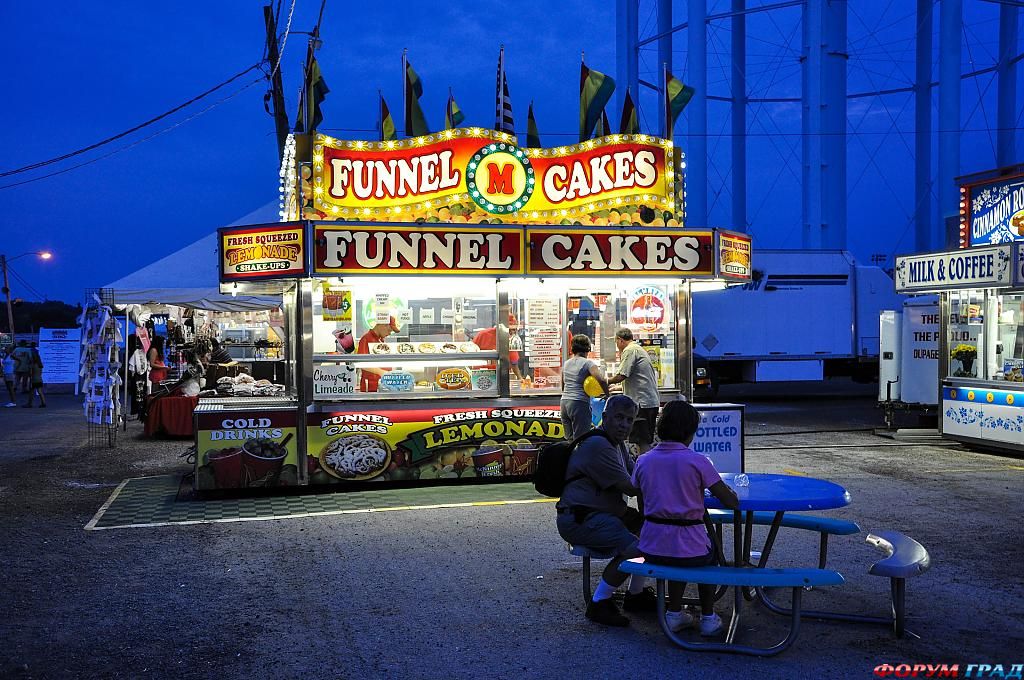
(806, 315)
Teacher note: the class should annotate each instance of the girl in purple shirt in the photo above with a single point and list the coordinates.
(671, 478)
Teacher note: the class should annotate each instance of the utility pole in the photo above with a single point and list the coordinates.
(7, 292)
(276, 84)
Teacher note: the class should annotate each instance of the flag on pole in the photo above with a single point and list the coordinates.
(452, 113)
(532, 135)
(314, 92)
(595, 90)
(387, 123)
(629, 125)
(602, 129)
(415, 121)
(677, 96)
(503, 103)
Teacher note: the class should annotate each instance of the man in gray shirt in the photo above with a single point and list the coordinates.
(592, 511)
(640, 383)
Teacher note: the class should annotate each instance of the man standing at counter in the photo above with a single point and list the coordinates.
(369, 376)
(640, 383)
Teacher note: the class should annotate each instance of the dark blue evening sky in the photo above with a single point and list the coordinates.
(78, 72)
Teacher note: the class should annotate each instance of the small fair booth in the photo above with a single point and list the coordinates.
(981, 316)
(431, 324)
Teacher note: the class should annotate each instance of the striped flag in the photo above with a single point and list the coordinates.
(532, 135)
(603, 128)
(629, 125)
(503, 103)
(314, 92)
(677, 96)
(452, 113)
(415, 121)
(387, 123)
(595, 90)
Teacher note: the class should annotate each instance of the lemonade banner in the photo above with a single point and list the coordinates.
(262, 252)
(475, 175)
(377, 443)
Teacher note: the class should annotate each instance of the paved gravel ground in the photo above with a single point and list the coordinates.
(483, 592)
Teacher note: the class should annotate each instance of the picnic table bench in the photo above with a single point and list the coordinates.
(795, 579)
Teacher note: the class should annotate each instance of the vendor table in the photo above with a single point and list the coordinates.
(778, 494)
(170, 415)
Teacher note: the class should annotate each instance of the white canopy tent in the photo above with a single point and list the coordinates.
(190, 276)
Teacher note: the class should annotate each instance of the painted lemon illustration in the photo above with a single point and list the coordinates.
(990, 397)
(970, 396)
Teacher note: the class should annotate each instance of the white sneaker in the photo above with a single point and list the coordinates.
(710, 625)
(678, 620)
(10, 404)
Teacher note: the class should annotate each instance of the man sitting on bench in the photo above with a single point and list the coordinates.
(593, 513)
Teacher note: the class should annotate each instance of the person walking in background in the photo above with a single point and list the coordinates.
(155, 356)
(577, 415)
(9, 366)
(23, 367)
(138, 375)
(640, 383)
(36, 376)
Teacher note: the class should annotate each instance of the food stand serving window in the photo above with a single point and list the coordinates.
(981, 341)
(445, 278)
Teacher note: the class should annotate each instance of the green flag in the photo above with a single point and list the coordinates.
(387, 123)
(314, 93)
(629, 125)
(415, 121)
(595, 90)
(532, 135)
(452, 113)
(677, 96)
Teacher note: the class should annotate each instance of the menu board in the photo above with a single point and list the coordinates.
(544, 335)
(59, 351)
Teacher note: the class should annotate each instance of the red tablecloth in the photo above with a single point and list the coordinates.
(171, 415)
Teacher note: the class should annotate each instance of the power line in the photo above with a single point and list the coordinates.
(108, 140)
(25, 283)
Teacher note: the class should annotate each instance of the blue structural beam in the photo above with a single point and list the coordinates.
(923, 230)
(627, 73)
(739, 115)
(664, 58)
(696, 114)
(824, 124)
(1006, 116)
(950, 27)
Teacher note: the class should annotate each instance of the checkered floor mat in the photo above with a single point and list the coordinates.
(153, 501)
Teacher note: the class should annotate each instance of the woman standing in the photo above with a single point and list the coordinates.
(36, 373)
(155, 356)
(575, 403)
(138, 374)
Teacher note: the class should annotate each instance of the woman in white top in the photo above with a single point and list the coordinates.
(575, 403)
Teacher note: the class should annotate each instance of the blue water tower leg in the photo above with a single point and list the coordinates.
(1006, 140)
(696, 114)
(923, 200)
(950, 27)
(739, 115)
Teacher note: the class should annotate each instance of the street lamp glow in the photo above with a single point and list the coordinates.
(46, 255)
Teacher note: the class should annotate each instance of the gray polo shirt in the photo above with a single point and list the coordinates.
(641, 384)
(603, 465)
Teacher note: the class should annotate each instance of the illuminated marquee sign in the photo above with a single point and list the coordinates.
(475, 175)
(390, 249)
(262, 252)
(992, 212)
(619, 251)
(733, 256)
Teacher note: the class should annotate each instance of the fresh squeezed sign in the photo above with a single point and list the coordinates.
(994, 211)
(988, 267)
(260, 252)
(471, 175)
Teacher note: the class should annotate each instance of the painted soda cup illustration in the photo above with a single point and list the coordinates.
(488, 462)
(227, 467)
(262, 460)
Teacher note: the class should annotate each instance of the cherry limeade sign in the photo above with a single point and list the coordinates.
(262, 252)
(470, 175)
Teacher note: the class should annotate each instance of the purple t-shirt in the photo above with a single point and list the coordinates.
(672, 479)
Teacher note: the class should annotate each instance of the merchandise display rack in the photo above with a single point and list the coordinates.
(100, 368)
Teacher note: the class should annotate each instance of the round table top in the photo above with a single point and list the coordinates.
(783, 492)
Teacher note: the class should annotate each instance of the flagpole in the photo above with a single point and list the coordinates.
(380, 113)
(666, 133)
(405, 94)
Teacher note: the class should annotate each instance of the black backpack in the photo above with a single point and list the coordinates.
(553, 462)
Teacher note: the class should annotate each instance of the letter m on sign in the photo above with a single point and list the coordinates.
(499, 180)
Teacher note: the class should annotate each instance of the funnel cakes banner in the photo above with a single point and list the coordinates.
(480, 176)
